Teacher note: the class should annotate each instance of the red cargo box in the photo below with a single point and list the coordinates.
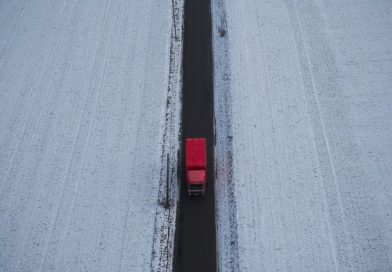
(196, 165)
(196, 157)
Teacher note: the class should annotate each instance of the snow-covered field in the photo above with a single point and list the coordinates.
(89, 108)
(83, 96)
(303, 102)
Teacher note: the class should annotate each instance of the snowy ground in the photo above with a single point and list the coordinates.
(83, 93)
(303, 107)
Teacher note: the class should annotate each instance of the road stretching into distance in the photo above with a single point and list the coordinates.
(195, 233)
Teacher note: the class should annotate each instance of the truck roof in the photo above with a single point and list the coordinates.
(196, 153)
(196, 176)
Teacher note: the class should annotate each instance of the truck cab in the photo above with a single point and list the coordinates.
(196, 165)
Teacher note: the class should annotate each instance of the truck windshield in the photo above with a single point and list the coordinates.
(196, 187)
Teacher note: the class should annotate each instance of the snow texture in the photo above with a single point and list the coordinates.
(168, 199)
(303, 94)
(226, 221)
(83, 95)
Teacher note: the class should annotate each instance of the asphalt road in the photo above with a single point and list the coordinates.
(196, 237)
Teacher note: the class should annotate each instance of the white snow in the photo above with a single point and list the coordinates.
(168, 197)
(83, 91)
(305, 90)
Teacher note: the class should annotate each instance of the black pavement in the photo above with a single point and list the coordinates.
(195, 234)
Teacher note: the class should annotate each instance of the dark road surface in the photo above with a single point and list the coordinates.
(195, 238)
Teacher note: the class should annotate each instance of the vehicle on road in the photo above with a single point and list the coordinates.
(196, 166)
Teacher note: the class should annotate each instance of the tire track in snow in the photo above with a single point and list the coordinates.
(23, 78)
(88, 137)
(355, 224)
(89, 233)
(280, 225)
(37, 193)
(90, 92)
(336, 220)
(136, 144)
(35, 118)
(31, 115)
(7, 185)
(11, 37)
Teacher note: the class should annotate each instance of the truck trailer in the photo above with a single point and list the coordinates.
(196, 166)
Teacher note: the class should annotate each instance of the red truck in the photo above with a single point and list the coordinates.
(196, 165)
